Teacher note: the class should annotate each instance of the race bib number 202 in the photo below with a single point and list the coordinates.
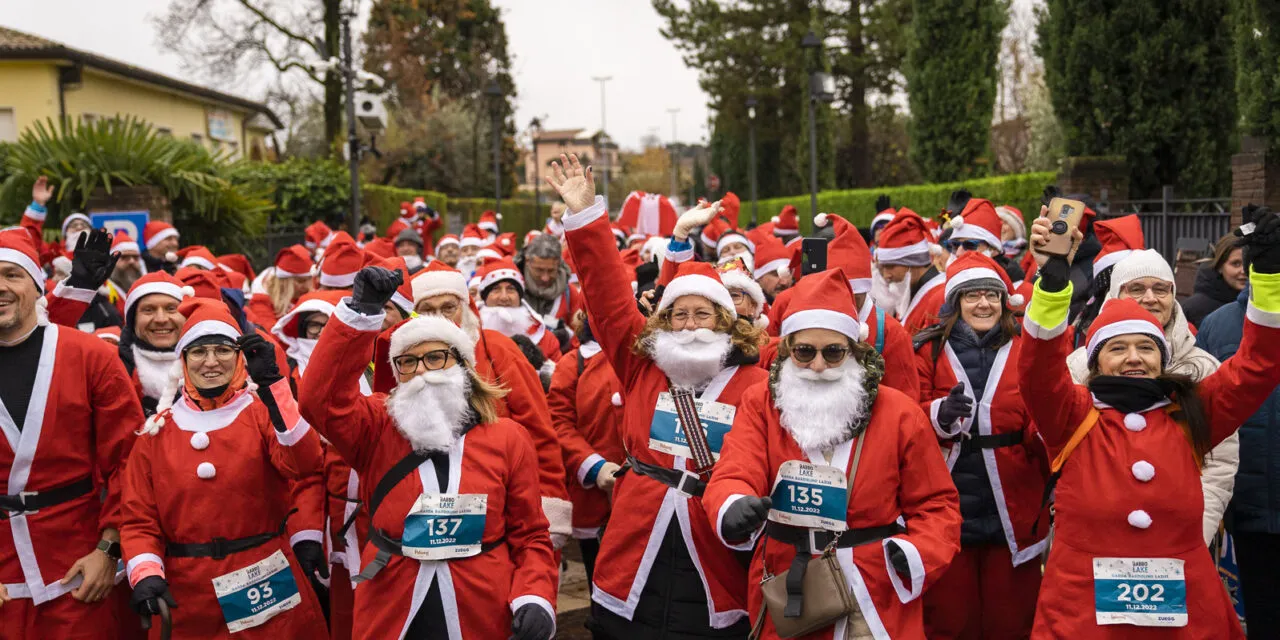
(1144, 592)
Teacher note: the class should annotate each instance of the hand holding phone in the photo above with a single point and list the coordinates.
(813, 256)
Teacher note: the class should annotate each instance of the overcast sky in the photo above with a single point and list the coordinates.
(553, 64)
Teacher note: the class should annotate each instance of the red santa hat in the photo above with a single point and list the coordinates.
(620, 232)
(420, 204)
(823, 301)
(447, 240)
(1119, 237)
(339, 238)
(237, 262)
(977, 221)
(771, 257)
(730, 205)
(197, 256)
(403, 297)
(719, 234)
(638, 238)
(394, 229)
(430, 328)
(438, 278)
(1124, 316)
(847, 251)
(16, 247)
(406, 210)
(1012, 217)
(528, 237)
(110, 334)
(472, 236)
(489, 221)
(340, 265)
(977, 271)
(697, 279)
(905, 240)
(325, 302)
(124, 242)
(316, 235)
(735, 275)
(494, 271)
(293, 262)
(157, 282)
(787, 223)
(883, 218)
(650, 214)
(66, 222)
(506, 244)
(157, 231)
(205, 317)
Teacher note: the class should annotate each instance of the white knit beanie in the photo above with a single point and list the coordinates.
(1147, 263)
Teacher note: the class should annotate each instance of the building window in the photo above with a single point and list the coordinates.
(197, 137)
(88, 118)
(8, 125)
(164, 131)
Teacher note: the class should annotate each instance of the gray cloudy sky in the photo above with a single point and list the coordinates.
(553, 64)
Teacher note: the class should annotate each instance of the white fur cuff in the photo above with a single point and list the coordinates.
(914, 562)
(559, 513)
(356, 320)
(541, 602)
(573, 221)
(61, 290)
(724, 508)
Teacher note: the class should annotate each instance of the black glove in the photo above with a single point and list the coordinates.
(532, 622)
(147, 592)
(744, 517)
(882, 203)
(259, 359)
(1055, 274)
(372, 288)
(957, 201)
(1262, 245)
(93, 262)
(955, 406)
(310, 557)
(898, 558)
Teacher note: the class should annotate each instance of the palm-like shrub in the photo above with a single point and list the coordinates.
(79, 158)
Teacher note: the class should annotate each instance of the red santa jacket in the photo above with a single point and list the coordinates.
(1110, 505)
(1018, 473)
(899, 358)
(33, 222)
(79, 424)
(564, 306)
(261, 312)
(223, 473)
(495, 459)
(342, 487)
(924, 306)
(586, 417)
(900, 475)
(649, 505)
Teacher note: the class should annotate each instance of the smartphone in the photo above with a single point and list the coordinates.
(1065, 216)
(813, 255)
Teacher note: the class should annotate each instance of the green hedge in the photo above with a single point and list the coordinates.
(1021, 190)
(382, 205)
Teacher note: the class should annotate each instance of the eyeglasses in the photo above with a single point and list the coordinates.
(700, 317)
(738, 297)
(447, 310)
(833, 354)
(312, 329)
(431, 360)
(1137, 290)
(221, 352)
(972, 297)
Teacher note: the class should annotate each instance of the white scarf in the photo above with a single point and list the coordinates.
(155, 368)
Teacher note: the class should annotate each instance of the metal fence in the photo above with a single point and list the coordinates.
(275, 239)
(1172, 224)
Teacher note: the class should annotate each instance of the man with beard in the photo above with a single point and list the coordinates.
(129, 265)
(448, 249)
(67, 413)
(161, 240)
(434, 447)
(824, 427)
(409, 246)
(913, 292)
(473, 240)
(548, 290)
(661, 572)
(505, 311)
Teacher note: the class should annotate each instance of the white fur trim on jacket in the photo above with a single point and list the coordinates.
(914, 562)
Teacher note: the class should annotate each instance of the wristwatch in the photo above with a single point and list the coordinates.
(112, 549)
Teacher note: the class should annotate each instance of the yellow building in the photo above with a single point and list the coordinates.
(41, 80)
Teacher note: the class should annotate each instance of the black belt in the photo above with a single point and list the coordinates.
(809, 541)
(685, 482)
(220, 548)
(997, 440)
(389, 546)
(32, 501)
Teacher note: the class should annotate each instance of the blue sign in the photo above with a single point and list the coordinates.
(130, 222)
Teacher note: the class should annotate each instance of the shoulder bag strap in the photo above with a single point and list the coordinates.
(392, 478)
(687, 414)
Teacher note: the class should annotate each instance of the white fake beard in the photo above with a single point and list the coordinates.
(509, 321)
(301, 350)
(467, 265)
(412, 262)
(893, 297)
(154, 368)
(429, 410)
(817, 409)
(690, 358)
(72, 239)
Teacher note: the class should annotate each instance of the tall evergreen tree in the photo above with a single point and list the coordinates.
(1257, 54)
(951, 83)
(1148, 80)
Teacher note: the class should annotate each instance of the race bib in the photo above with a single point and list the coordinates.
(444, 526)
(810, 496)
(666, 434)
(1145, 592)
(255, 594)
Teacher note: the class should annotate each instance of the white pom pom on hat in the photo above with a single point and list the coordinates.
(189, 291)
(775, 219)
(170, 257)
(956, 222)
(1016, 300)
(820, 220)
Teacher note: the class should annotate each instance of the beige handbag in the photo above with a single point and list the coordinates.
(826, 593)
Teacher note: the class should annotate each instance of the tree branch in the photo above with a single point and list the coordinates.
(277, 26)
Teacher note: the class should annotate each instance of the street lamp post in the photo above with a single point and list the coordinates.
(675, 165)
(494, 91)
(812, 42)
(603, 136)
(535, 131)
(751, 137)
(353, 140)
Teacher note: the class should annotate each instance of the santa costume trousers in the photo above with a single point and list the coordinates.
(64, 618)
(982, 596)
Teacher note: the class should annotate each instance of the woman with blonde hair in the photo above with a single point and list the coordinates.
(661, 570)
(276, 289)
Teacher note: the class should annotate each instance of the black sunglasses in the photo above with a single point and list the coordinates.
(833, 353)
(967, 245)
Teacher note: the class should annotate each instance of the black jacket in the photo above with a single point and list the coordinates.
(981, 524)
(1211, 292)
